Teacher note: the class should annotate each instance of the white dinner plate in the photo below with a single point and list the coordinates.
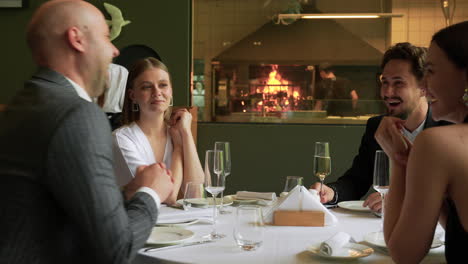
(202, 202)
(354, 251)
(377, 239)
(181, 223)
(354, 206)
(169, 235)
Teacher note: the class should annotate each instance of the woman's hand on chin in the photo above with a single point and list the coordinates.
(392, 141)
(181, 119)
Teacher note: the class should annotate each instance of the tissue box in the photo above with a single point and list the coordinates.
(299, 218)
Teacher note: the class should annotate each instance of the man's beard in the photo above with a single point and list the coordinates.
(404, 114)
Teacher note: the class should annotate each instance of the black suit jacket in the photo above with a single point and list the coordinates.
(358, 179)
(60, 201)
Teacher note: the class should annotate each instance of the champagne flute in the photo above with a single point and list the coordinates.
(322, 162)
(225, 148)
(381, 181)
(214, 182)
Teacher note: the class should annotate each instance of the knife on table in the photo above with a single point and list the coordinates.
(153, 249)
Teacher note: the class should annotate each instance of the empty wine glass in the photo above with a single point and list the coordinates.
(214, 182)
(194, 194)
(225, 148)
(292, 182)
(322, 162)
(381, 181)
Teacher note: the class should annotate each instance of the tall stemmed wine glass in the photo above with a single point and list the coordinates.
(322, 162)
(226, 149)
(214, 182)
(381, 176)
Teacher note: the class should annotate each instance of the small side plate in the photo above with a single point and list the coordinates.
(354, 206)
(377, 239)
(353, 250)
(169, 235)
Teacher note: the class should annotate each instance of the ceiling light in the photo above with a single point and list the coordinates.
(338, 15)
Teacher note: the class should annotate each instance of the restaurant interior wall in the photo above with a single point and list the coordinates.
(152, 24)
(264, 154)
(422, 18)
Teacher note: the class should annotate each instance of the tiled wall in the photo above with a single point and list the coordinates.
(422, 18)
(218, 24)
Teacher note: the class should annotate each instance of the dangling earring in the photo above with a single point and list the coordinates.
(135, 107)
(171, 101)
(465, 97)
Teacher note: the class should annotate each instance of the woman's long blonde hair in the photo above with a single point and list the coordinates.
(130, 115)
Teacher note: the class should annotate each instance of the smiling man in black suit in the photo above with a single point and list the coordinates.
(403, 91)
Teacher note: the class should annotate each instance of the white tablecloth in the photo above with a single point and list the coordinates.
(281, 244)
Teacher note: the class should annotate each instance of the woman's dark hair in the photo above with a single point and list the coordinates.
(453, 40)
(408, 52)
(140, 66)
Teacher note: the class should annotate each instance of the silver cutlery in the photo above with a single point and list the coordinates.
(152, 249)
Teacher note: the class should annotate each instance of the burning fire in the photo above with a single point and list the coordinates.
(278, 93)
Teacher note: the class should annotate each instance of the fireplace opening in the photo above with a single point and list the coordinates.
(284, 93)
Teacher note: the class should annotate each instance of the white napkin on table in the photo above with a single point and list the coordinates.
(334, 245)
(169, 215)
(245, 195)
(299, 199)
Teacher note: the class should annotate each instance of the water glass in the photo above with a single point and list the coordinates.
(194, 193)
(381, 181)
(249, 227)
(291, 182)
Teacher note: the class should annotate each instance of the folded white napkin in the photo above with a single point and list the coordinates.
(244, 195)
(300, 199)
(169, 215)
(334, 245)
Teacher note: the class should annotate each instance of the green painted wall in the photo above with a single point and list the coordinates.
(264, 154)
(162, 25)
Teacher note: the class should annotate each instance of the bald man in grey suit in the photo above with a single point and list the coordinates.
(60, 201)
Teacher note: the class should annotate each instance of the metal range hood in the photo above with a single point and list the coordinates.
(306, 41)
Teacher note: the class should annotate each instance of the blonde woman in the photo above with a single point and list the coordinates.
(151, 133)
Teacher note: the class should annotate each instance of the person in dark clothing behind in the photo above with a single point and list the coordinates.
(333, 93)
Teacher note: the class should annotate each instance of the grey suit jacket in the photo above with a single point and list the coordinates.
(60, 201)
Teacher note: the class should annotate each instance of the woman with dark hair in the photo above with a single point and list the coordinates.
(429, 180)
(151, 133)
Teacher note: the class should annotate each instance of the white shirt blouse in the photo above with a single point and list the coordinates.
(132, 149)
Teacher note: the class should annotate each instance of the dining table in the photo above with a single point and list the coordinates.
(281, 244)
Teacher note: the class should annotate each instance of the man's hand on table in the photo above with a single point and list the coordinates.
(374, 202)
(154, 176)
